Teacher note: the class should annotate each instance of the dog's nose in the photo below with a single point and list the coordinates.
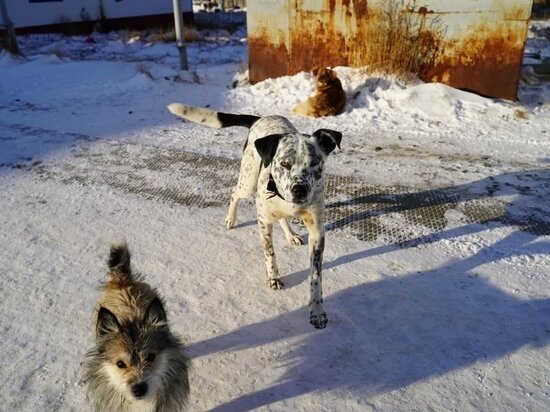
(139, 389)
(299, 191)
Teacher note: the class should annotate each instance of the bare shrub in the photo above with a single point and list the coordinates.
(399, 41)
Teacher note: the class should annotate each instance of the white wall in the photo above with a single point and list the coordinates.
(24, 14)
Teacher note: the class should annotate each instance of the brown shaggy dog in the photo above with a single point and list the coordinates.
(137, 364)
(329, 99)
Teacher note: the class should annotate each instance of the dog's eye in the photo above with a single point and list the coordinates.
(286, 164)
(121, 364)
(150, 357)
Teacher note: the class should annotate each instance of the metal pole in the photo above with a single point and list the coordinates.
(12, 38)
(178, 20)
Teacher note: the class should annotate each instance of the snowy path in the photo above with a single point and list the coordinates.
(438, 232)
(454, 315)
(193, 179)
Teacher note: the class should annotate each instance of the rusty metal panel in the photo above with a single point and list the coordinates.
(483, 47)
(478, 44)
(268, 46)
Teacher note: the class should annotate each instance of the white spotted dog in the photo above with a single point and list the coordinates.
(284, 169)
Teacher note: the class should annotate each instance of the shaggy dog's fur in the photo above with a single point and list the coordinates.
(329, 99)
(137, 363)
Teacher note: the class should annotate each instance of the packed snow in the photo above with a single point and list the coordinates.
(457, 320)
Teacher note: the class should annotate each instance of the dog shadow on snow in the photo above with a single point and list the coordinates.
(390, 333)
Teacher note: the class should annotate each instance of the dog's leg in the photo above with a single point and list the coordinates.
(292, 237)
(266, 232)
(316, 229)
(245, 187)
(231, 216)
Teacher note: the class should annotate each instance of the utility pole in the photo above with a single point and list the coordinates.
(180, 39)
(8, 25)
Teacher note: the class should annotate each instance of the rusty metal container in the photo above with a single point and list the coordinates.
(475, 45)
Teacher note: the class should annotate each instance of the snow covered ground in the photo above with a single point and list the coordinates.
(456, 318)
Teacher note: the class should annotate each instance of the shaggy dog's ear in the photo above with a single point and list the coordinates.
(155, 312)
(107, 323)
(267, 146)
(328, 139)
(331, 74)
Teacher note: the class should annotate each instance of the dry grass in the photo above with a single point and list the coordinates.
(167, 35)
(520, 114)
(399, 41)
(159, 35)
(130, 35)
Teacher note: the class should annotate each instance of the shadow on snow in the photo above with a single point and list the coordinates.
(388, 334)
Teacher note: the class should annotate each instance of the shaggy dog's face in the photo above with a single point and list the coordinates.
(132, 353)
(325, 77)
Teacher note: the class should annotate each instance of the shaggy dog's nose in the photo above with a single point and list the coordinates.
(139, 389)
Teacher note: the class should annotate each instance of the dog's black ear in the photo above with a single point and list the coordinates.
(107, 323)
(155, 312)
(328, 139)
(267, 146)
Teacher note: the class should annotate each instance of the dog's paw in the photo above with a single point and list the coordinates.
(275, 283)
(229, 222)
(295, 240)
(317, 316)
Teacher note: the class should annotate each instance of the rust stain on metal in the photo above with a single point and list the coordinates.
(486, 60)
(307, 51)
(479, 46)
(262, 50)
(517, 13)
(360, 8)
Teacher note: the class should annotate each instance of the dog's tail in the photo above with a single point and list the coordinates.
(211, 118)
(304, 108)
(120, 272)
